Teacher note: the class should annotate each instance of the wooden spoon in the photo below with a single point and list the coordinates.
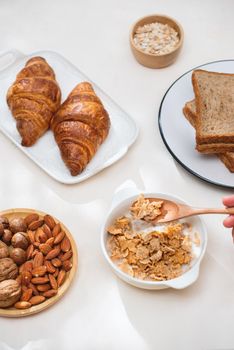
(173, 211)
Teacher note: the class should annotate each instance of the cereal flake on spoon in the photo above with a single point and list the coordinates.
(143, 209)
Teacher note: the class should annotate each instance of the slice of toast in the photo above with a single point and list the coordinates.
(189, 111)
(214, 98)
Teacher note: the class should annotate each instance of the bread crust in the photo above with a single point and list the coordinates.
(208, 139)
(228, 157)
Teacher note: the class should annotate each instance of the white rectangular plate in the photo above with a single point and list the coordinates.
(45, 152)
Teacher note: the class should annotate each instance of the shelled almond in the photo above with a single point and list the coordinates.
(48, 257)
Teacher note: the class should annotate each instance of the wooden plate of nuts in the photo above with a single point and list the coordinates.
(38, 261)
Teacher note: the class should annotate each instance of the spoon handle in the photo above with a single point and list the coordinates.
(197, 211)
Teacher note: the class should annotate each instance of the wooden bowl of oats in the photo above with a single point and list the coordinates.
(148, 256)
(156, 40)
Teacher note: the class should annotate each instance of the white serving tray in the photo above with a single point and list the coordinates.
(45, 152)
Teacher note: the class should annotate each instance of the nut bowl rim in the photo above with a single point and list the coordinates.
(13, 312)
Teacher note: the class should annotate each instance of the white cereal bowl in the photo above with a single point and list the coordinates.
(121, 203)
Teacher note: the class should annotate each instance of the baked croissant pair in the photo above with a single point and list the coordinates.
(80, 124)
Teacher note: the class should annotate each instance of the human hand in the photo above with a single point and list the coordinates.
(229, 202)
(229, 221)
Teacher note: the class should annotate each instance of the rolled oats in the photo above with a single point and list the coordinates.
(156, 38)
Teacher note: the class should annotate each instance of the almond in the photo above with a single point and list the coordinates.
(43, 287)
(27, 294)
(34, 289)
(56, 272)
(31, 236)
(52, 254)
(45, 248)
(38, 299)
(30, 218)
(36, 244)
(50, 241)
(50, 267)
(35, 252)
(56, 230)
(38, 260)
(29, 251)
(53, 282)
(19, 279)
(67, 255)
(65, 245)
(24, 288)
(28, 266)
(59, 237)
(49, 220)
(35, 224)
(61, 277)
(67, 265)
(39, 280)
(40, 235)
(39, 271)
(56, 262)
(50, 293)
(26, 278)
(47, 230)
(22, 305)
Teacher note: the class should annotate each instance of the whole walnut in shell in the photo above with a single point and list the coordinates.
(4, 251)
(20, 240)
(18, 255)
(18, 225)
(8, 269)
(10, 292)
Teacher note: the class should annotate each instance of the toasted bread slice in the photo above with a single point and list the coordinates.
(189, 111)
(214, 98)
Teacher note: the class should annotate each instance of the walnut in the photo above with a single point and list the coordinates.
(20, 240)
(18, 225)
(4, 251)
(8, 269)
(10, 292)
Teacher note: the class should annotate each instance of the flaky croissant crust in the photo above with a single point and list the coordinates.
(80, 126)
(33, 99)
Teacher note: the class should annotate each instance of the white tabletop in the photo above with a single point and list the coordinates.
(100, 311)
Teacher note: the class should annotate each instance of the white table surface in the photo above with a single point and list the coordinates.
(100, 311)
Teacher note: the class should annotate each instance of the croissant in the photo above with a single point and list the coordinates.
(33, 99)
(80, 126)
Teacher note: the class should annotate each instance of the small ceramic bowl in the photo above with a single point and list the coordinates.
(153, 60)
(121, 203)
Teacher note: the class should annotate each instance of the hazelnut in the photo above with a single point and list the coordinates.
(18, 225)
(7, 236)
(18, 255)
(1, 229)
(3, 224)
(4, 221)
(19, 240)
(10, 292)
(4, 251)
(8, 269)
